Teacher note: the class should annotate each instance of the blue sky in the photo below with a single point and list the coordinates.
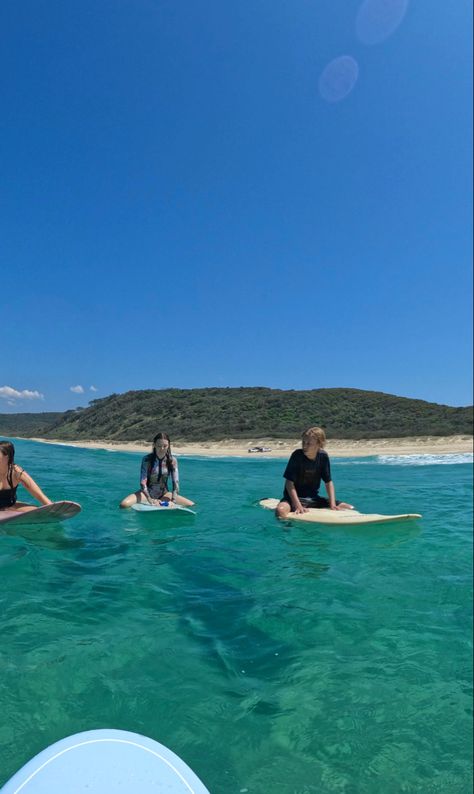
(182, 205)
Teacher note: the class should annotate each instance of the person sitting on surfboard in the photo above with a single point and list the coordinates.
(156, 469)
(11, 476)
(303, 474)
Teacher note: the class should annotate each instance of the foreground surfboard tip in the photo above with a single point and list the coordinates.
(106, 760)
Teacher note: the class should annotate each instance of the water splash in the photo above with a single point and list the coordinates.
(426, 460)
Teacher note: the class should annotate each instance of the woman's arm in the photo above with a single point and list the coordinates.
(175, 478)
(144, 479)
(33, 488)
(144, 490)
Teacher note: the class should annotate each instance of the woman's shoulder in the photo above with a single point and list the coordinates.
(18, 470)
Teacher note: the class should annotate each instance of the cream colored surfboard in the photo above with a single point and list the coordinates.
(339, 517)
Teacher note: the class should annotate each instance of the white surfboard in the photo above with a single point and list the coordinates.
(105, 762)
(339, 517)
(143, 507)
(47, 514)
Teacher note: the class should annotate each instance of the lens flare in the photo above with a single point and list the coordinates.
(378, 19)
(338, 78)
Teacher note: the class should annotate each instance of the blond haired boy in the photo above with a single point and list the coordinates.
(303, 474)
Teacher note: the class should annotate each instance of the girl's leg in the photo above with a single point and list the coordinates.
(181, 500)
(23, 507)
(132, 499)
(139, 496)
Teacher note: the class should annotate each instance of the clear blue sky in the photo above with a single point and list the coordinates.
(182, 205)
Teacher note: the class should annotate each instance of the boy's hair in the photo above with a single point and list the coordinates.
(317, 433)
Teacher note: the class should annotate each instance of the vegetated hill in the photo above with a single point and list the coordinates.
(216, 413)
(28, 425)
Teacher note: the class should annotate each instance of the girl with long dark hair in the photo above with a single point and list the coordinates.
(11, 476)
(157, 469)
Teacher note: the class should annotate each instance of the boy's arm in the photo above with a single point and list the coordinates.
(332, 496)
(295, 502)
(330, 490)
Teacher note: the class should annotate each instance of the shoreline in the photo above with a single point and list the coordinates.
(282, 448)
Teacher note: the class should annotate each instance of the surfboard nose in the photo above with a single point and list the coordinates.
(106, 761)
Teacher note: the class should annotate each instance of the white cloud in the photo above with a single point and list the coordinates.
(93, 388)
(77, 389)
(10, 394)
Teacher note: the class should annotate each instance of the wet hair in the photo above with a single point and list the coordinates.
(153, 457)
(8, 450)
(316, 433)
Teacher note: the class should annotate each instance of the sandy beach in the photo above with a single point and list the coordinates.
(281, 448)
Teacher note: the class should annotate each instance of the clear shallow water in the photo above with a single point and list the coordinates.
(270, 657)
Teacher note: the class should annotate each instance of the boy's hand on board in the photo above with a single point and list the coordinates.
(300, 509)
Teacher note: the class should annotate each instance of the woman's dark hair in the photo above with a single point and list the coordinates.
(7, 449)
(153, 457)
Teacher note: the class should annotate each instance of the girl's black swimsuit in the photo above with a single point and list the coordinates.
(8, 497)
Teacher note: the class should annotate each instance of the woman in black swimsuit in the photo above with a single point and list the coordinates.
(11, 476)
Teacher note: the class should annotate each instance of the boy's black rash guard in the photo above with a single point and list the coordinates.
(307, 474)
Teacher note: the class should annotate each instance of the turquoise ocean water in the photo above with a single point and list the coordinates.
(270, 657)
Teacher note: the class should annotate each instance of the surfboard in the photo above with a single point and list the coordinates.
(339, 517)
(142, 507)
(47, 514)
(105, 762)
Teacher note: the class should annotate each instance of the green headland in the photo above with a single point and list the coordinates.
(214, 414)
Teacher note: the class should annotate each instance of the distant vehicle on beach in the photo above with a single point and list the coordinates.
(260, 449)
